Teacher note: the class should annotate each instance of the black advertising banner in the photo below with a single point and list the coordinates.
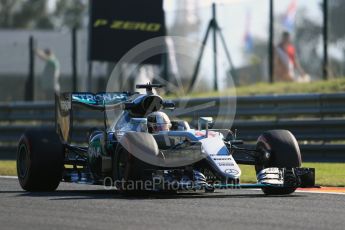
(116, 26)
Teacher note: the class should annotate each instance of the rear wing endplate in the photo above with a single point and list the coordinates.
(65, 102)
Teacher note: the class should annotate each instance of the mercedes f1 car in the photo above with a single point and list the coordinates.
(131, 155)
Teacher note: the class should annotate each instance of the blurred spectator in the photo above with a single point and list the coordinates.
(286, 62)
(49, 83)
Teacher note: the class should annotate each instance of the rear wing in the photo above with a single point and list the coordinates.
(65, 102)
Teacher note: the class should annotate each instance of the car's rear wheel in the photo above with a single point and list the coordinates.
(284, 153)
(40, 158)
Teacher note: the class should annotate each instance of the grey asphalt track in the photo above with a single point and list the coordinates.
(91, 207)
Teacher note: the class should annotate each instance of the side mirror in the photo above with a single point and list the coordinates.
(168, 105)
(138, 124)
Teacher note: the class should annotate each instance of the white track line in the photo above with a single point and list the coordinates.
(9, 177)
(317, 192)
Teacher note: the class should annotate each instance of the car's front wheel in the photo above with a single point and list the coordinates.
(127, 171)
(284, 153)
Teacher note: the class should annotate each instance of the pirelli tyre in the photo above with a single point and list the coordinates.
(127, 171)
(284, 153)
(40, 160)
(131, 175)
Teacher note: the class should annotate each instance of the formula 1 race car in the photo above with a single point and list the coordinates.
(144, 150)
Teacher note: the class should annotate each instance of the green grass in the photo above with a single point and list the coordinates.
(327, 174)
(330, 86)
(8, 168)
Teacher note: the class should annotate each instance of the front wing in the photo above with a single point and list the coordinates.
(269, 177)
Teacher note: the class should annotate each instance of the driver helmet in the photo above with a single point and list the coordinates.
(158, 121)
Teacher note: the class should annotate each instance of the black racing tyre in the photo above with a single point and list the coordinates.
(285, 153)
(127, 171)
(40, 160)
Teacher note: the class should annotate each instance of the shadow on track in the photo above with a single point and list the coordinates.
(112, 194)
